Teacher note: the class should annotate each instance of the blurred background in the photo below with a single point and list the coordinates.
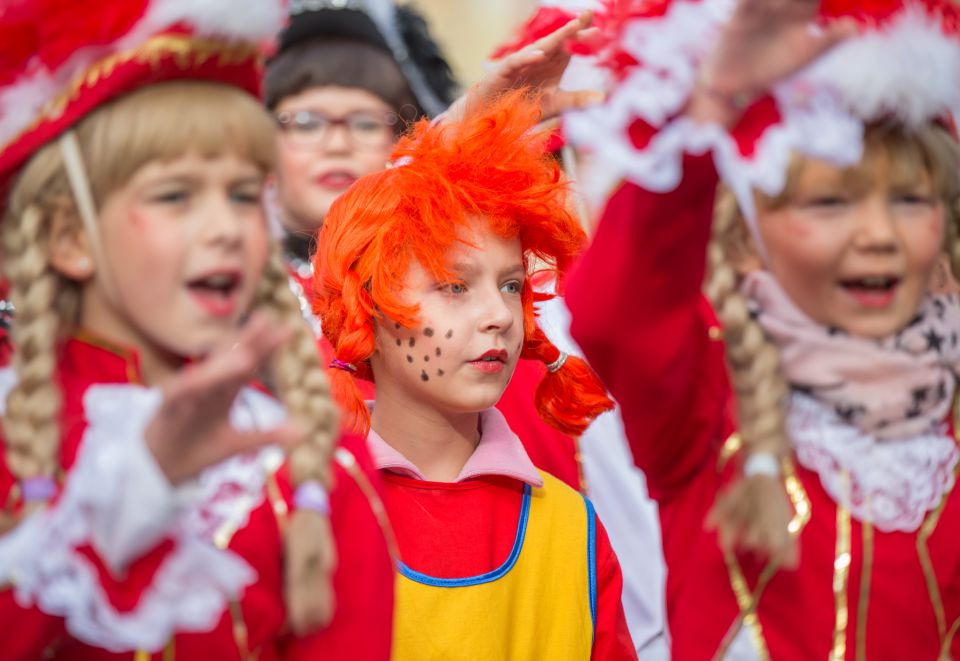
(469, 30)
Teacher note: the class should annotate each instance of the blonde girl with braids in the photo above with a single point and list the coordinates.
(785, 364)
(423, 286)
(145, 491)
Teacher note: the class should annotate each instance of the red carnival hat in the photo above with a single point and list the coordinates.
(903, 64)
(62, 59)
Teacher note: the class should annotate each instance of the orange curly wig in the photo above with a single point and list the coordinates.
(491, 164)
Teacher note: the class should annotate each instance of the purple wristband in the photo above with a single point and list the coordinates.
(37, 489)
(312, 496)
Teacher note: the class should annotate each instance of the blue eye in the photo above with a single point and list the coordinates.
(828, 201)
(452, 287)
(171, 197)
(914, 198)
(245, 197)
(512, 287)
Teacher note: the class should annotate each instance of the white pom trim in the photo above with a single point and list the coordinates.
(260, 20)
(910, 70)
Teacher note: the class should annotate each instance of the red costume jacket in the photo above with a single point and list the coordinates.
(363, 580)
(645, 327)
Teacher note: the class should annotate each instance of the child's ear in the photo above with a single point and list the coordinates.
(69, 246)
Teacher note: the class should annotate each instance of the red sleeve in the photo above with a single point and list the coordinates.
(362, 627)
(642, 321)
(611, 638)
(26, 632)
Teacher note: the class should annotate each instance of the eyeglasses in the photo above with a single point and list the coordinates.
(310, 129)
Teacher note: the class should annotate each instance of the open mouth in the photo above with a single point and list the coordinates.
(217, 292)
(337, 180)
(872, 290)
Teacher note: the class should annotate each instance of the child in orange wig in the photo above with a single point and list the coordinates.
(423, 285)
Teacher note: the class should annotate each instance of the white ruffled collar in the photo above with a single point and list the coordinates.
(889, 483)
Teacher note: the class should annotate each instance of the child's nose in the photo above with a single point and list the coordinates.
(877, 229)
(221, 221)
(497, 314)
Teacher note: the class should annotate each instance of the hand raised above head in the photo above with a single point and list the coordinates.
(191, 431)
(764, 42)
(540, 66)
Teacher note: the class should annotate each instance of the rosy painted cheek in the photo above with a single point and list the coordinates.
(138, 219)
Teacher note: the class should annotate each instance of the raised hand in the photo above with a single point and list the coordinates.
(540, 66)
(764, 42)
(191, 431)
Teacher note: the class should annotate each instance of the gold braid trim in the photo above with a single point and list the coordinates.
(748, 600)
(841, 574)
(188, 52)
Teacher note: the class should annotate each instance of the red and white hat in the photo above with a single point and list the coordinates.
(62, 59)
(903, 64)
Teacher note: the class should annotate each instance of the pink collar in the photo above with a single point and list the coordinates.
(499, 452)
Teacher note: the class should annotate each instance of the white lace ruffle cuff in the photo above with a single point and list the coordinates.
(103, 505)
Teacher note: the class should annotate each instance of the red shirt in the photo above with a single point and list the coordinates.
(468, 527)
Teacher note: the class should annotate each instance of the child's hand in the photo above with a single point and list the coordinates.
(192, 430)
(764, 42)
(540, 66)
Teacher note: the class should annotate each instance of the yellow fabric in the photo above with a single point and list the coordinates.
(540, 609)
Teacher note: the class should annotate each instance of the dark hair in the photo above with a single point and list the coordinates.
(340, 62)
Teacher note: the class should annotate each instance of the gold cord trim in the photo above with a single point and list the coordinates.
(929, 575)
(748, 601)
(841, 575)
(948, 641)
(279, 505)
(923, 552)
(240, 635)
(866, 575)
(731, 446)
(187, 52)
(348, 462)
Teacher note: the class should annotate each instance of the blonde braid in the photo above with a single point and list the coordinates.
(302, 386)
(754, 513)
(43, 303)
(953, 237)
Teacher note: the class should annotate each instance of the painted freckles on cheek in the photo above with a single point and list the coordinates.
(430, 351)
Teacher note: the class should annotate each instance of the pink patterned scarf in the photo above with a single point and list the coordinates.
(892, 388)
